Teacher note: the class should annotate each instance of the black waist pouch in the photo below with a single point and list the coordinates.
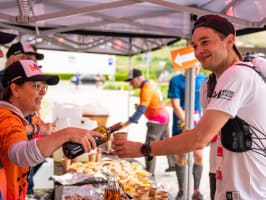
(236, 136)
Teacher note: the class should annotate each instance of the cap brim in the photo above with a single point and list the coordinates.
(39, 56)
(49, 79)
(6, 37)
(238, 53)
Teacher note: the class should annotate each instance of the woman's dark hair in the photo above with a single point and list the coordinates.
(6, 94)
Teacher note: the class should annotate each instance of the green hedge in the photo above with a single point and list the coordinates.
(68, 76)
(121, 76)
(124, 76)
(164, 90)
(118, 76)
(116, 86)
(136, 92)
(62, 76)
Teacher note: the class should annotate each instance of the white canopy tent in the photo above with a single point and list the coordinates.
(122, 27)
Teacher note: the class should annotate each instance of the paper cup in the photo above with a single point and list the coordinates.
(143, 193)
(120, 136)
(99, 155)
(162, 195)
(152, 192)
(66, 164)
(161, 198)
(140, 187)
(140, 196)
(92, 157)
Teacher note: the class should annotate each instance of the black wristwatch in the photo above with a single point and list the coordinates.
(146, 151)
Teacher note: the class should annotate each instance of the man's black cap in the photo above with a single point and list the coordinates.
(6, 37)
(216, 22)
(133, 74)
(219, 24)
(24, 48)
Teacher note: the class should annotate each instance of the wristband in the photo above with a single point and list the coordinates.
(33, 129)
(38, 129)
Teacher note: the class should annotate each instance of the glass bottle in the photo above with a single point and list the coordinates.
(72, 150)
(112, 191)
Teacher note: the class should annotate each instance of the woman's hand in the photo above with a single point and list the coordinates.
(83, 137)
(126, 148)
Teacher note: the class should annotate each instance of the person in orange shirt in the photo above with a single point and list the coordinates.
(19, 51)
(154, 109)
(24, 86)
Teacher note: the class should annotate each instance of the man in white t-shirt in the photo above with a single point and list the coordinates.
(240, 91)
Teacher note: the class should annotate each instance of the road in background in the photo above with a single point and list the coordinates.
(116, 103)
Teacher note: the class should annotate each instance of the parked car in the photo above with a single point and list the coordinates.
(89, 79)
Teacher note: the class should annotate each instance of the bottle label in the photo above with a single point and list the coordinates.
(72, 150)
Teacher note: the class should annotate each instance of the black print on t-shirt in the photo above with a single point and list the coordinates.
(223, 94)
(233, 195)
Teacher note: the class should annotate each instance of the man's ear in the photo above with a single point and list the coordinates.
(230, 39)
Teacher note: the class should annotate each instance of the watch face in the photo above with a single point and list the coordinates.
(146, 149)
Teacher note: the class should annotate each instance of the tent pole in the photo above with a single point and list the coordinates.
(23, 6)
(189, 123)
(129, 68)
(148, 60)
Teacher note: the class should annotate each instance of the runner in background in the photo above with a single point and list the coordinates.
(154, 109)
(177, 95)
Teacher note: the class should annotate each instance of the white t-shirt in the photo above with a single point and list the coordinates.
(213, 146)
(241, 91)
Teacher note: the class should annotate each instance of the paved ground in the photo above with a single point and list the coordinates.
(116, 102)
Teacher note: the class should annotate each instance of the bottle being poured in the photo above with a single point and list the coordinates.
(72, 150)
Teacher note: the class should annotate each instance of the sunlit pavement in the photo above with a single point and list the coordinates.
(116, 102)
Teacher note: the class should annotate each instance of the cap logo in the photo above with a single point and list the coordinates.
(34, 67)
(27, 47)
(17, 52)
(30, 68)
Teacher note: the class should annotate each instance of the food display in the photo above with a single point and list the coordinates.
(133, 179)
(85, 192)
(76, 197)
(130, 174)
